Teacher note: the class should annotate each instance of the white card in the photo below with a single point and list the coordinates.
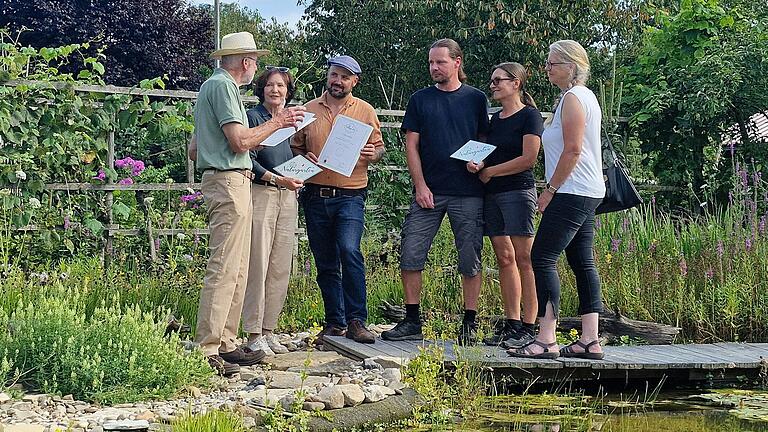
(342, 148)
(283, 134)
(474, 151)
(299, 168)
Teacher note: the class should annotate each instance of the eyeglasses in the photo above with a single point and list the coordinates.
(253, 59)
(277, 68)
(548, 64)
(497, 80)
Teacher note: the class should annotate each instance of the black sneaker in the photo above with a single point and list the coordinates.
(404, 330)
(244, 356)
(221, 367)
(467, 333)
(520, 339)
(502, 333)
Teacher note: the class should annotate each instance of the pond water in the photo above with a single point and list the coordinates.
(715, 411)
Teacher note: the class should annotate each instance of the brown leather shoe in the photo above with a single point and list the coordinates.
(243, 356)
(357, 332)
(329, 330)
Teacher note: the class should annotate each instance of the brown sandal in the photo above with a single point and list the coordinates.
(525, 351)
(567, 351)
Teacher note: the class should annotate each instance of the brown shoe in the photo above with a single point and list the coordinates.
(222, 367)
(357, 332)
(329, 330)
(244, 356)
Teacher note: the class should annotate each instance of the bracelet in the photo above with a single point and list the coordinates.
(551, 189)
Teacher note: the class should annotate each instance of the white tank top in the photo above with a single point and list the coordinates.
(586, 179)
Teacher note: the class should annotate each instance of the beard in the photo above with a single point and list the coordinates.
(337, 92)
(439, 78)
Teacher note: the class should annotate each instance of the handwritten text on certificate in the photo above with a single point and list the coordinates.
(299, 168)
(342, 148)
(473, 151)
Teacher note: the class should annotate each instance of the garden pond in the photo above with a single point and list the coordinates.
(716, 411)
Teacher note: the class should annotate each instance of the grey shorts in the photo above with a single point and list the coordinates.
(420, 227)
(510, 213)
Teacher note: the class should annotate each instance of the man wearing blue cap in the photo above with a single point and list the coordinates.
(334, 204)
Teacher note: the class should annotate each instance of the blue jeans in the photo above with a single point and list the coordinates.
(568, 224)
(335, 228)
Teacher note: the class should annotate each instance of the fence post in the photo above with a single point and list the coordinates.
(110, 194)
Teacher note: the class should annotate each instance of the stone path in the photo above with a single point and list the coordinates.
(325, 379)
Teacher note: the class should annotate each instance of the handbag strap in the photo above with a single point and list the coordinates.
(610, 145)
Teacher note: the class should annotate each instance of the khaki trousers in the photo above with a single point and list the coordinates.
(272, 240)
(228, 200)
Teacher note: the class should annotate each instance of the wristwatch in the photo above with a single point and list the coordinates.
(551, 189)
(272, 180)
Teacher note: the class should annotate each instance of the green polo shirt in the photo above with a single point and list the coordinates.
(219, 103)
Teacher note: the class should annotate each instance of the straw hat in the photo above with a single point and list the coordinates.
(238, 43)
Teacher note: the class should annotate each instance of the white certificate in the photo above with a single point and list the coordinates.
(342, 148)
(473, 151)
(283, 134)
(299, 168)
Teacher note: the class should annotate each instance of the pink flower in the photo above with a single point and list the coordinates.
(67, 223)
(138, 167)
(126, 181)
(101, 176)
(125, 162)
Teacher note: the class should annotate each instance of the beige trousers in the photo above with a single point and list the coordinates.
(228, 200)
(272, 240)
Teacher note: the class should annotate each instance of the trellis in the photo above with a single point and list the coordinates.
(109, 187)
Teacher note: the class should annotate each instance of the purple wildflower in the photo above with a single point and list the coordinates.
(197, 239)
(653, 200)
(597, 222)
(67, 222)
(732, 147)
(720, 249)
(126, 181)
(307, 266)
(123, 163)
(624, 224)
(157, 244)
(652, 247)
(744, 178)
(138, 168)
(632, 246)
(683, 266)
(709, 273)
(761, 225)
(748, 244)
(191, 197)
(615, 244)
(101, 176)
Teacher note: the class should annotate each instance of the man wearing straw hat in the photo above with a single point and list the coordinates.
(220, 147)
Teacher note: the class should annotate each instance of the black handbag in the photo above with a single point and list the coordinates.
(620, 193)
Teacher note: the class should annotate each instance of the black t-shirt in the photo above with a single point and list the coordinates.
(445, 121)
(507, 135)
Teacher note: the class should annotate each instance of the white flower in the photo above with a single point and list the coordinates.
(148, 200)
(190, 190)
(34, 203)
(21, 175)
(181, 236)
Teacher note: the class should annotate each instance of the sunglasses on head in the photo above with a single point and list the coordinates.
(278, 68)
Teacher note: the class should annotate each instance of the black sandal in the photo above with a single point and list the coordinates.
(525, 352)
(567, 351)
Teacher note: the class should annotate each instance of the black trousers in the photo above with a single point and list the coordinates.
(568, 224)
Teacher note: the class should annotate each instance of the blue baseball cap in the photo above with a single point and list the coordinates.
(346, 62)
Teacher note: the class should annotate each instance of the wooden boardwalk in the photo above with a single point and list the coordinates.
(717, 363)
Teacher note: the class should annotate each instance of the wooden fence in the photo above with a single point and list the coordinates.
(109, 187)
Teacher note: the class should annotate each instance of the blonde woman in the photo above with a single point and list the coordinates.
(510, 198)
(575, 187)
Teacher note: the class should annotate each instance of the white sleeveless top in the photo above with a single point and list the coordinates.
(586, 179)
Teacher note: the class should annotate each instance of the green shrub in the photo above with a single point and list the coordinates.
(114, 354)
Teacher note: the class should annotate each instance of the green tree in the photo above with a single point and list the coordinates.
(390, 38)
(698, 72)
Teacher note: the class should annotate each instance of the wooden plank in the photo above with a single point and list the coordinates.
(735, 354)
(679, 357)
(714, 358)
(360, 351)
(647, 358)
